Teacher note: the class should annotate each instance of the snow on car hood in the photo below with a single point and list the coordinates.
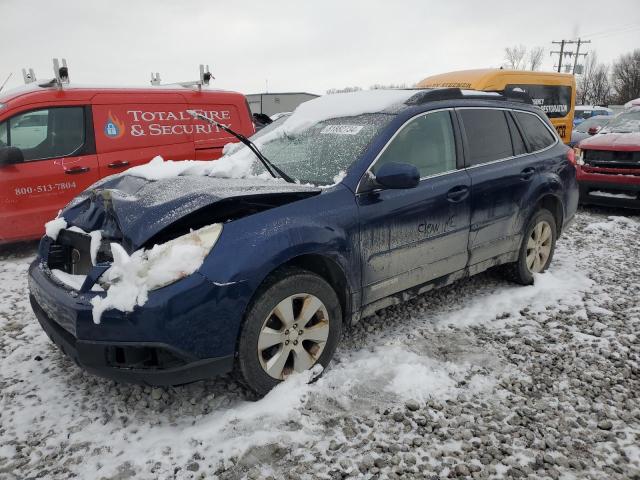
(612, 141)
(133, 210)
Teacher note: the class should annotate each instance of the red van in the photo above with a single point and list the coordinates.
(609, 163)
(55, 142)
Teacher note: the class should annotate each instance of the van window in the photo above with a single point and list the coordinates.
(3, 134)
(554, 100)
(487, 134)
(48, 133)
(538, 135)
(426, 142)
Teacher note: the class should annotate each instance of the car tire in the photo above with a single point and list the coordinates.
(277, 338)
(538, 245)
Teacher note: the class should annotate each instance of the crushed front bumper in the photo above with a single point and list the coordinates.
(184, 333)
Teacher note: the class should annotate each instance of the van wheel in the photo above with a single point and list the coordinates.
(294, 323)
(536, 250)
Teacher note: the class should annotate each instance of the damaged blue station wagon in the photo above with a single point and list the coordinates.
(378, 196)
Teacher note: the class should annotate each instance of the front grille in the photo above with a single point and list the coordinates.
(612, 159)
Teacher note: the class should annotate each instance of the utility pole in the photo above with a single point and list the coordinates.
(562, 53)
(575, 61)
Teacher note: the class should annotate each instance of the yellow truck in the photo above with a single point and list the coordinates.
(554, 93)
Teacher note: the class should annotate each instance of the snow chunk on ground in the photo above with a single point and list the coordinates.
(53, 227)
(132, 277)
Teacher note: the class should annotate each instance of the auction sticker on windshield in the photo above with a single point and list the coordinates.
(342, 129)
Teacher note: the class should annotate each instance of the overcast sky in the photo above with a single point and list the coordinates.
(296, 45)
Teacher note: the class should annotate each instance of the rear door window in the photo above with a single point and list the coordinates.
(538, 135)
(427, 142)
(47, 133)
(487, 132)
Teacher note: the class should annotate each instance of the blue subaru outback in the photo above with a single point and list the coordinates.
(179, 271)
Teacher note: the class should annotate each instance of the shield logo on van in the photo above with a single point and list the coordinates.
(114, 128)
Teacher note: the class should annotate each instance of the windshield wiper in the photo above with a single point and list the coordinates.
(270, 167)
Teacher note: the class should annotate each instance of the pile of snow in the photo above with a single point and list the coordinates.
(320, 109)
(53, 227)
(238, 160)
(131, 277)
(615, 224)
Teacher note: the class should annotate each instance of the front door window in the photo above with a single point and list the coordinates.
(47, 133)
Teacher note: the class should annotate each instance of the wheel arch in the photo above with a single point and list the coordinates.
(325, 267)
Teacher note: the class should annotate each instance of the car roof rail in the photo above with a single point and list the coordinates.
(451, 93)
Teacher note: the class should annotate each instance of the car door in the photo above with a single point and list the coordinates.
(501, 174)
(411, 236)
(59, 163)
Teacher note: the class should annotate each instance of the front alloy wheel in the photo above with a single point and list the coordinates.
(293, 323)
(293, 335)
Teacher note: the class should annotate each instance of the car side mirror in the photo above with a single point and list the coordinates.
(593, 130)
(398, 175)
(10, 156)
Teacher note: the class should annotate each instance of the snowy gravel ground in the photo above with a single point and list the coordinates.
(482, 379)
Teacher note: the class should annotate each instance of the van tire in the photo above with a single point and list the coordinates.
(519, 271)
(300, 289)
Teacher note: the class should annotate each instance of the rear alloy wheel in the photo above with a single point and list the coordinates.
(539, 247)
(294, 323)
(536, 249)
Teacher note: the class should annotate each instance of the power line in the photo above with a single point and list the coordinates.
(616, 30)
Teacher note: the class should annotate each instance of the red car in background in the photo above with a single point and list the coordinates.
(55, 142)
(609, 163)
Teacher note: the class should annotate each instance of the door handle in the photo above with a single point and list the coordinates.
(118, 164)
(457, 194)
(527, 173)
(76, 170)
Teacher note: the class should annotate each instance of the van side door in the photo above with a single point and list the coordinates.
(131, 129)
(412, 236)
(59, 162)
(502, 173)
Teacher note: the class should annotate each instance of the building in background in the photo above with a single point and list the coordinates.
(272, 103)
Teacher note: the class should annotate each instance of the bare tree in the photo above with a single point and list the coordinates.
(515, 57)
(536, 55)
(625, 77)
(594, 85)
(519, 57)
(381, 86)
(343, 90)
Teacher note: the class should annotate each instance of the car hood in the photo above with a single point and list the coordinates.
(132, 210)
(612, 141)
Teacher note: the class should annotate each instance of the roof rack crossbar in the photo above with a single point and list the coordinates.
(29, 76)
(205, 79)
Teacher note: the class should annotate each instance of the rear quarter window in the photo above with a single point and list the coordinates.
(538, 135)
(487, 133)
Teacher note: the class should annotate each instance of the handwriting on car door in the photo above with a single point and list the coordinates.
(430, 229)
